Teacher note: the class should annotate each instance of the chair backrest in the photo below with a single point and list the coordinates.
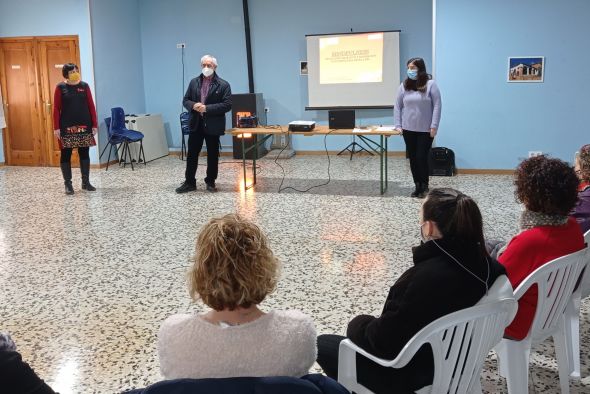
(460, 342)
(117, 118)
(585, 283)
(555, 282)
(501, 289)
(184, 122)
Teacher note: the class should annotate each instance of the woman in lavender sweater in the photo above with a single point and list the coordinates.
(417, 114)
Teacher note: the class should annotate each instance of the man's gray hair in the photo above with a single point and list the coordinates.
(209, 57)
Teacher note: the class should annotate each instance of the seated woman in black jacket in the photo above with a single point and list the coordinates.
(452, 271)
(16, 376)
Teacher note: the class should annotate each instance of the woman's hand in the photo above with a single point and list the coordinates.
(57, 134)
(432, 133)
(94, 131)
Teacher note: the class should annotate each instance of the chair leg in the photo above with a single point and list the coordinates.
(123, 157)
(561, 353)
(513, 357)
(347, 367)
(142, 152)
(130, 157)
(477, 387)
(109, 159)
(120, 153)
(572, 335)
(105, 148)
(183, 148)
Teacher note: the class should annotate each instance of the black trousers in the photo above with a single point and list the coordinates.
(376, 378)
(66, 154)
(195, 144)
(418, 145)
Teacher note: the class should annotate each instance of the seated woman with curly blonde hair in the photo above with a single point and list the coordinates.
(233, 271)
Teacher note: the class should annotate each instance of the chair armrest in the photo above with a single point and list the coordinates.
(348, 344)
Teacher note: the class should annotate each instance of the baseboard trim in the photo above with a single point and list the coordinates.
(335, 152)
(177, 153)
(484, 171)
(103, 165)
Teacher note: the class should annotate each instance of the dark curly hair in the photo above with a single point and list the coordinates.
(546, 185)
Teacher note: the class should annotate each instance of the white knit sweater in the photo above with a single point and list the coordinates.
(279, 343)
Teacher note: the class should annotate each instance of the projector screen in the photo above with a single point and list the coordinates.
(353, 70)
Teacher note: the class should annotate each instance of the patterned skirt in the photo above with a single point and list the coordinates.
(76, 137)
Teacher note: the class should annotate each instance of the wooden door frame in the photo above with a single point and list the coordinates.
(45, 146)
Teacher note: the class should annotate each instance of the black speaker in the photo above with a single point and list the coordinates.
(341, 119)
(247, 105)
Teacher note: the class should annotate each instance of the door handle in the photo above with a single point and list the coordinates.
(48, 107)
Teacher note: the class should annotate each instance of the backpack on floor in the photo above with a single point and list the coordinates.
(441, 162)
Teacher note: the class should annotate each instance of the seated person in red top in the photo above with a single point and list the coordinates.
(581, 211)
(548, 189)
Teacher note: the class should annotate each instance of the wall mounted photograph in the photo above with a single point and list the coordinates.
(526, 69)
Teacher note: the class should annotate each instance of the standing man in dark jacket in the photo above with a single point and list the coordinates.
(207, 99)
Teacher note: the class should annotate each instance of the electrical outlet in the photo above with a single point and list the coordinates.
(180, 45)
(534, 153)
(266, 109)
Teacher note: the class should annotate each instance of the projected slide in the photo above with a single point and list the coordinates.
(354, 58)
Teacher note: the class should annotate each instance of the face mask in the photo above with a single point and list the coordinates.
(207, 71)
(74, 77)
(412, 74)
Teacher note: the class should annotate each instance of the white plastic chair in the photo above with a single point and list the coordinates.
(572, 316)
(555, 282)
(460, 342)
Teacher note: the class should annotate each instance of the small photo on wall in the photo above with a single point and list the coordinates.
(303, 68)
(526, 69)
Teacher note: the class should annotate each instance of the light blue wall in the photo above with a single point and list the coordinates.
(278, 43)
(46, 18)
(278, 30)
(118, 66)
(491, 123)
(206, 27)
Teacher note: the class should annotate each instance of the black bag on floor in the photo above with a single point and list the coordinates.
(441, 162)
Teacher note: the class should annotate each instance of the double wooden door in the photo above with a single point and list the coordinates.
(30, 68)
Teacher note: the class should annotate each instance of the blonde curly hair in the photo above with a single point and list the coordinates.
(233, 265)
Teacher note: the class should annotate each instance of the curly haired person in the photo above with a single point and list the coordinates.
(233, 271)
(547, 188)
(581, 211)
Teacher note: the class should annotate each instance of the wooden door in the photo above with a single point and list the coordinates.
(18, 77)
(53, 54)
(30, 68)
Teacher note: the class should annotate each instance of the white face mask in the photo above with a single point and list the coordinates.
(207, 71)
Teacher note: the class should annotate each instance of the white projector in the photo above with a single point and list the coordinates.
(301, 125)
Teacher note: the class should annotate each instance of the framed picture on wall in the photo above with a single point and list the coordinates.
(303, 68)
(526, 68)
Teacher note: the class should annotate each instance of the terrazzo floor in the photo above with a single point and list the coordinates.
(86, 280)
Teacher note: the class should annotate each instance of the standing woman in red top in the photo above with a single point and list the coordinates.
(74, 124)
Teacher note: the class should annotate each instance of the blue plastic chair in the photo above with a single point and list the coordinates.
(118, 129)
(184, 128)
(115, 140)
